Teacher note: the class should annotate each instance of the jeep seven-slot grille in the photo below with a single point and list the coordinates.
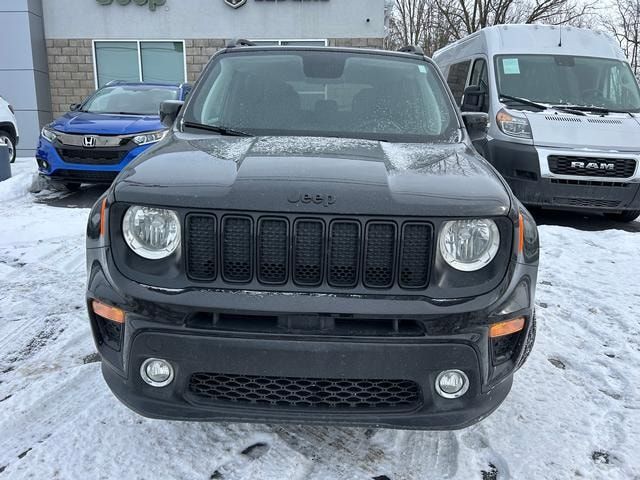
(294, 392)
(308, 252)
(591, 166)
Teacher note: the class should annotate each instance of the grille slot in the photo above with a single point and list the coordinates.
(93, 156)
(561, 165)
(237, 249)
(416, 255)
(379, 254)
(344, 253)
(586, 202)
(273, 237)
(294, 392)
(308, 252)
(325, 252)
(84, 176)
(201, 247)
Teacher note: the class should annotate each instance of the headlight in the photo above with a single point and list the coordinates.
(152, 137)
(469, 245)
(48, 134)
(152, 233)
(513, 126)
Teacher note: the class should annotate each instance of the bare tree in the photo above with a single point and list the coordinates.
(624, 25)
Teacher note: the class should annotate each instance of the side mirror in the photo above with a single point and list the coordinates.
(473, 98)
(75, 106)
(169, 110)
(477, 123)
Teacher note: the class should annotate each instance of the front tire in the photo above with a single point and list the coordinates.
(627, 216)
(7, 139)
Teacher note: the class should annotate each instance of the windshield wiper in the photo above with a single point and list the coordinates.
(600, 110)
(217, 129)
(523, 101)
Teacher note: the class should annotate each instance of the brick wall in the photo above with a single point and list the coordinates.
(70, 72)
(71, 65)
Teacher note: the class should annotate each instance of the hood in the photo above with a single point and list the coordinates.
(315, 175)
(106, 124)
(617, 132)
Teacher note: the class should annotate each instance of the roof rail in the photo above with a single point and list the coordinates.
(412, 49)
(239, 42)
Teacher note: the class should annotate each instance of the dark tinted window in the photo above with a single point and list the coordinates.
(457, 79)
(137, 100)
(479, 78)
(325, 93)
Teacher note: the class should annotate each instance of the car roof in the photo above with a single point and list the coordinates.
(278, 48)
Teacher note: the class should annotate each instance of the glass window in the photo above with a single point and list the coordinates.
(568, 80)
(117, 61)
(479, 78)
(457, 79)
(160, 62)
(129, 99)
(337, 94)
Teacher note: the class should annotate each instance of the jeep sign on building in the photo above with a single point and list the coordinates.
(62, 50)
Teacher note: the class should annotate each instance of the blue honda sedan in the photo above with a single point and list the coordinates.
(101, 135)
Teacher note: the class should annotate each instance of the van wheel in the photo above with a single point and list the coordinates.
(7, 139)
(628, 216)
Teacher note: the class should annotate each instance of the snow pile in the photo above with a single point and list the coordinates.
(574, 411)
(17, 186)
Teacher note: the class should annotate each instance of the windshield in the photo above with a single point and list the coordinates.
(134, 100)
(325, 93)
(569, 80)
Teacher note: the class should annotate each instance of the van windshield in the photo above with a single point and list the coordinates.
(568, 80)
(324, 93)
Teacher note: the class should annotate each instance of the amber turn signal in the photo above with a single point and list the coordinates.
(107, 311)
(103, 209)
(506, 328)
(520, 233)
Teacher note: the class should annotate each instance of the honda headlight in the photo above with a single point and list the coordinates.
(469, 245)
(49, 134)
(513, 125)
(151, 137)
(152, 233)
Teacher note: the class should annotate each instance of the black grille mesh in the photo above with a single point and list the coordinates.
(416, 252)
(294, 392)
(272, 251)
(379, 255)
(561, 165)
(97, 156)
(237, 244)
(201, 247)
(344, 254)
(308, 251)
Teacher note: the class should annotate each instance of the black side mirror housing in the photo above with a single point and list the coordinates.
(169, 110)
(75, 106)
(473, 98)
(477, 123)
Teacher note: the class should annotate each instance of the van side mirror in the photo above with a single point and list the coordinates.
(473, 98)
(75, 107)
(477, 123)
(169, 110)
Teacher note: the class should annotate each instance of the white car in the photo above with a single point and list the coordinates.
(8, 128)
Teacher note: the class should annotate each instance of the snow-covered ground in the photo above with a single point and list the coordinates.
(574, 411)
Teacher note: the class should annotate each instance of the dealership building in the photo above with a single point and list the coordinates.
(56, 52)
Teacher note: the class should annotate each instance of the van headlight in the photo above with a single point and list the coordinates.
(151, 137)
(48, 133)
(513, 125)
(152, 233)
(469, 245)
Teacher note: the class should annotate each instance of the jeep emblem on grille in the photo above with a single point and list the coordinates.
(316, 198)
(594, 165)
(89, 142)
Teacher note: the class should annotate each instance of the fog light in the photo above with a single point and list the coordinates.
(156, 372)
(452, 383)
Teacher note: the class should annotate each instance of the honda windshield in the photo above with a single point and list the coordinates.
(129, 99)
(324, 93)
(602, 83)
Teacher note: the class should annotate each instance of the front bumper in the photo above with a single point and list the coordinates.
(454, 336)
(525, 170)
(52, 165)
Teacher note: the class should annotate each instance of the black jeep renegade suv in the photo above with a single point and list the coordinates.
(315, 241)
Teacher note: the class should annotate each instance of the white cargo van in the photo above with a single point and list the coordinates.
(564, 113)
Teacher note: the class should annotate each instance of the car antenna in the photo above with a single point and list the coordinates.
(560, 42)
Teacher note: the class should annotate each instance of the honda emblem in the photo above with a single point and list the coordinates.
(89, 142)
